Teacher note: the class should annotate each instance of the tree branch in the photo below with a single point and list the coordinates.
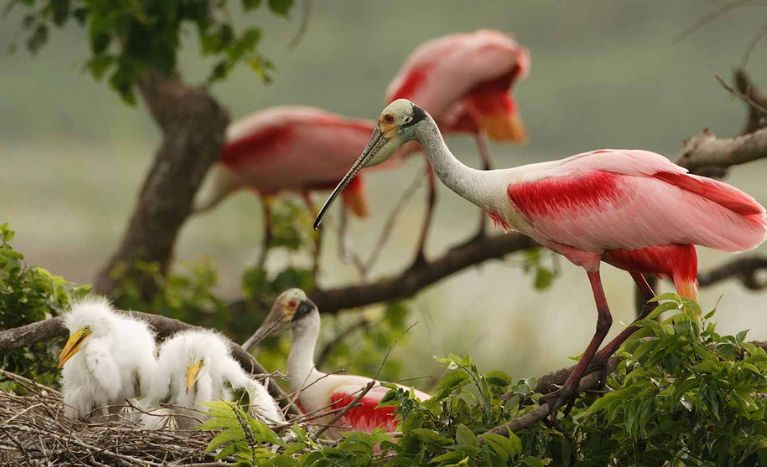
(742, 268)
(531, 418)
(52, 328)
(705, 150)
(193, 126)
(412, 280)
(754, 98)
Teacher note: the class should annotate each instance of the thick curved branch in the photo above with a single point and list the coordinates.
(412, 280)
(52, 328)
(742, 268)
(705, 150)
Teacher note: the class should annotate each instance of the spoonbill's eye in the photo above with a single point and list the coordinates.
(388, 118)
(293, 304)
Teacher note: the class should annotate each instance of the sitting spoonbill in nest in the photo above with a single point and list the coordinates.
(195, 367)
(320, 391)
(633, 209)
(108, 358)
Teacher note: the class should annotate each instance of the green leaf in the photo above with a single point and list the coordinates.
(281, 7)
(498, 378)
(543, 278)
(464, 436)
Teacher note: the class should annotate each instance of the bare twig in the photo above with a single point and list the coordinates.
(305, 17)
(708, 17)
(742, 95)
(364, 390)
(361, 323)
(752, 45)
(757, 102)
(390, 223)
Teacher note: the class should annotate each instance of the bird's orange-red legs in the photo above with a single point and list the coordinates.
(431, 200)
(604, 354)
(569, 390)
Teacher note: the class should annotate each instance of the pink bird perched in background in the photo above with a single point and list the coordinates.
(464, 81)
(633, 209)
(288, 149)
(322, 391)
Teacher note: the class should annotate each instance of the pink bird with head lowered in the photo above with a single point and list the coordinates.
(464, 81)
(630, 208)
(288, 149)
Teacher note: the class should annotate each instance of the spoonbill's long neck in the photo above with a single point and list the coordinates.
(301, 358)
(462, 179)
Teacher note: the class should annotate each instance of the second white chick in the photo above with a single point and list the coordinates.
(195, 367)
(108, 359)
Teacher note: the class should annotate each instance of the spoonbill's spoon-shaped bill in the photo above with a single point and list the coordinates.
(395, 127)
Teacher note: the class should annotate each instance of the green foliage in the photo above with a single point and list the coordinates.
(128, 37)
(186, 294)
(239, 435)
(682, 395)
(29, 294)
(543, 276)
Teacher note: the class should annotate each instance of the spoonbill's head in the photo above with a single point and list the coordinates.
(91, 317)
(396, 126)
(290, 307)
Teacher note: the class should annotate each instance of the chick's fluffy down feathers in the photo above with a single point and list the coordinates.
(219, 372)
(115, 362)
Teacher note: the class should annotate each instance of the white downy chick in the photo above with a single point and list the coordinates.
(108, 358)
(195, 367)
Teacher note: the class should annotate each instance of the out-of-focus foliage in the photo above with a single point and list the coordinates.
(543, 276)
(29, 294)
(127, 37)
(682, 395)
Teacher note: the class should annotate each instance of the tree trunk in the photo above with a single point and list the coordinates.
(193, 126)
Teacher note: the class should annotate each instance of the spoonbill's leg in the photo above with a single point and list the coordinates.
(640, 295)
(266, 205)
(309, 201)
(431, 200)
(569, 390)
(487, 164)
(604, 354)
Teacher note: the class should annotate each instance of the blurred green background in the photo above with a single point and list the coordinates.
(604, 74)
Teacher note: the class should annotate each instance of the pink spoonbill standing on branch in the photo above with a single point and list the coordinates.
(464, 81)
(288, 149)
(632, 209)
(320, 391)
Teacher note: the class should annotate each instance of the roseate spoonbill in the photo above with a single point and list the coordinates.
(195, 367)
(632, 209)
(108, 358)
(320, 390)
(464, 81)
(290, 148)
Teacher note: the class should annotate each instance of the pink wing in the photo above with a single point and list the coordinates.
(293, 148)
(629, 199)
(440, 72)
(368, 415)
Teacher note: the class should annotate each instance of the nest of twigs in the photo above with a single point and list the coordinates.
(33, 431)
